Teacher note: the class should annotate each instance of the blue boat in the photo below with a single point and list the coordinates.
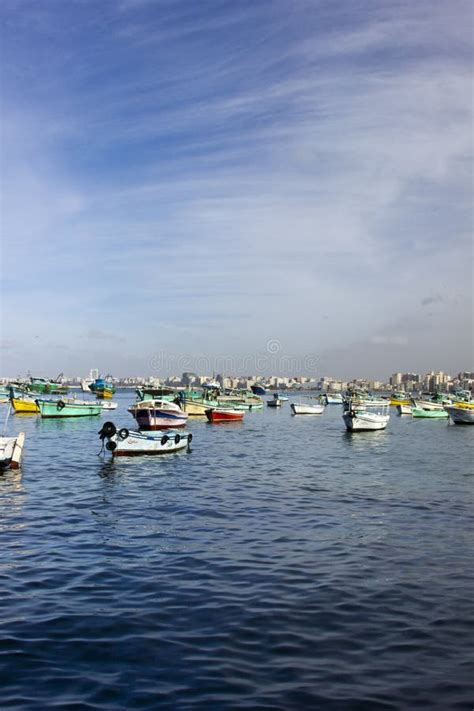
(258, 390)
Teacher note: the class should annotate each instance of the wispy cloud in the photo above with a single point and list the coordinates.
(220, 175)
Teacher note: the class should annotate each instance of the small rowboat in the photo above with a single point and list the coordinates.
(216, 414)
(303, 409)
(11, 450)
(128, 443)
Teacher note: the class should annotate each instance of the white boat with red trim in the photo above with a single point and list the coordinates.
(158, 414)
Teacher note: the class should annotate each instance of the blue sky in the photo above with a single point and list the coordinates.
(197, 179)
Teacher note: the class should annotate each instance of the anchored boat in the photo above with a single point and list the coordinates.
(158, 414)
(275, 402)
(128, 443)
(359, 418)
(11, 451)
(304, 409)
(461, 413)
(222, 414)
(68, 408)
(103, 388)
(429, 413)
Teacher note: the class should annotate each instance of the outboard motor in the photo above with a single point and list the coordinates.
(108, 430)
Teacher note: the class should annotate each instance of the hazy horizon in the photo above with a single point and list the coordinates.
(186, 181)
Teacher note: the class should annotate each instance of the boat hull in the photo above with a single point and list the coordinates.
(365, 421)
(404, 409)
(150, 420)
(430, 414)
(215, 415)
(137, 444)
(461, 415)
(11, 451)
(307, 409)
(21, 406)
(56, 409)
(195, 408)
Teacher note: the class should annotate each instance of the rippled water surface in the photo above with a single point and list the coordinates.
(282, 564)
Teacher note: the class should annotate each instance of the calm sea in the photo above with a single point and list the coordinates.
(282, 564)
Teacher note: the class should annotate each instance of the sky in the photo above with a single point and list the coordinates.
(261, 185)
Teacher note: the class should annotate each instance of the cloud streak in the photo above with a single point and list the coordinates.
(225, 176)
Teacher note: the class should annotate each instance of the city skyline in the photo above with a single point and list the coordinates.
(198, 180)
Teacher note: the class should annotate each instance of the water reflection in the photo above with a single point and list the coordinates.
(12, 499)
(367, 441)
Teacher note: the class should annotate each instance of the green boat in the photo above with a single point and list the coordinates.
(44, 386)
(102, 388)
(434, 414)
(68, 408)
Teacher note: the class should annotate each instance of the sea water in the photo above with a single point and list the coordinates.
(282, 564)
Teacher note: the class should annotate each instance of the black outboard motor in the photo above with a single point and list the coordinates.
(108, 430)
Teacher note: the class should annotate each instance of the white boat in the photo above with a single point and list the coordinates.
(431, 404)
(108, 404)
(128, 443)
(461, 414)
(11, 450)
(158, 414)
(404, 409)
(275, 401)
(85, 385)
(304, 409)
(332, 398)
(363, 419)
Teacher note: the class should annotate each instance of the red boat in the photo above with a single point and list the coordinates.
(215, 414)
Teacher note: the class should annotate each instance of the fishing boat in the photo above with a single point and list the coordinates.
(11, 451)
(44, 386)
(399, 398)
(68, 408)
(24, 405)
(332, 398)
(431, 405)
(433, 414)
(129, 443)
(160, 393)
(461, 413)
(158, 414)
(404, 409)
(103, 388)
(222, 414)
(363, 419)
(107, 404)
(305, 409)
(197, 408)
(239, 399)
(258, 390)
(276, 401)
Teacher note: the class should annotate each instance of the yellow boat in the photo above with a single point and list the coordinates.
(24, 406)
(464, 405)
(399, 400)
